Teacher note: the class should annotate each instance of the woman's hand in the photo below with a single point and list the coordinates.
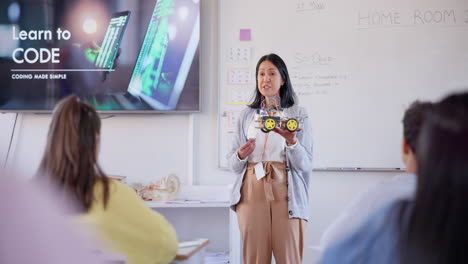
(246, 149)
(290, 137)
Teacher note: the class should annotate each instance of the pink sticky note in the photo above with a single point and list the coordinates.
(245, 35)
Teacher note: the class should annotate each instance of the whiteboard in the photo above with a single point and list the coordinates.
(355, 65)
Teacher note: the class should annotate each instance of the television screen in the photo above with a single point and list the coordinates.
(117, 55)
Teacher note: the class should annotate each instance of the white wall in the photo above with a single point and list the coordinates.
(6, 126)
(28, 143)
(147, 147)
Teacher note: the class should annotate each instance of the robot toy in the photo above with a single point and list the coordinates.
(273, 116)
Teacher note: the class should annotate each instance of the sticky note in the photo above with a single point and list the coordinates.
(245, 35)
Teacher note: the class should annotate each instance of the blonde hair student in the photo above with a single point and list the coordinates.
(108, 207)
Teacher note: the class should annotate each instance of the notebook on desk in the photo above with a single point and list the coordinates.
(188, 248)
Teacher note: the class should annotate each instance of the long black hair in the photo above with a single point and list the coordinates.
(288, 97)
(437, 230)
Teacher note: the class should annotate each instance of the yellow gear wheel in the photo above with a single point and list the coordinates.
(269, 124)
(291, 125)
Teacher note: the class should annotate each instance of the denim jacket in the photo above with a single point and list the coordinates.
(298, 160)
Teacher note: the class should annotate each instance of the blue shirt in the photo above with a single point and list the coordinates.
(374, 242)
(364, 205)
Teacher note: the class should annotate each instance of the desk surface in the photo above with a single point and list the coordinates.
(186, 252)
(172, 204)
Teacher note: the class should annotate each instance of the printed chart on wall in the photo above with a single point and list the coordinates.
(238, 82)
(355, 65)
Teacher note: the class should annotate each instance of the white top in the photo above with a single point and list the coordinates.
(399, 187)
(274, 148)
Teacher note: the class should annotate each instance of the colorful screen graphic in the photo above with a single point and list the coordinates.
(111, 43)
(148, 62)
(167, 54)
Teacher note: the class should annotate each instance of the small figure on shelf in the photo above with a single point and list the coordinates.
(165, 189)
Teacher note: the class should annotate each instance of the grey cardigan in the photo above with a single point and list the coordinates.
(298, 160)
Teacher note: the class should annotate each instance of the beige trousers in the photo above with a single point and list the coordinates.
(263, 218)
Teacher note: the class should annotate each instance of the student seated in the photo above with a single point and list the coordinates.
(432, 228)
(108, 207)
(399, 187)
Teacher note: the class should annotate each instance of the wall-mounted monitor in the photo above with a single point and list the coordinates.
(144, 63)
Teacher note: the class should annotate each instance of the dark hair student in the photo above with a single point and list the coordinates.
(431, 228)
(437, 230)
(400, 186)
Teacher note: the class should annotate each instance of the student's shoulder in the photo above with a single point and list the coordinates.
(388, 217)
(374, 239)
(120, 188)
(394, 182)
(400, 186)
(404, 178)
